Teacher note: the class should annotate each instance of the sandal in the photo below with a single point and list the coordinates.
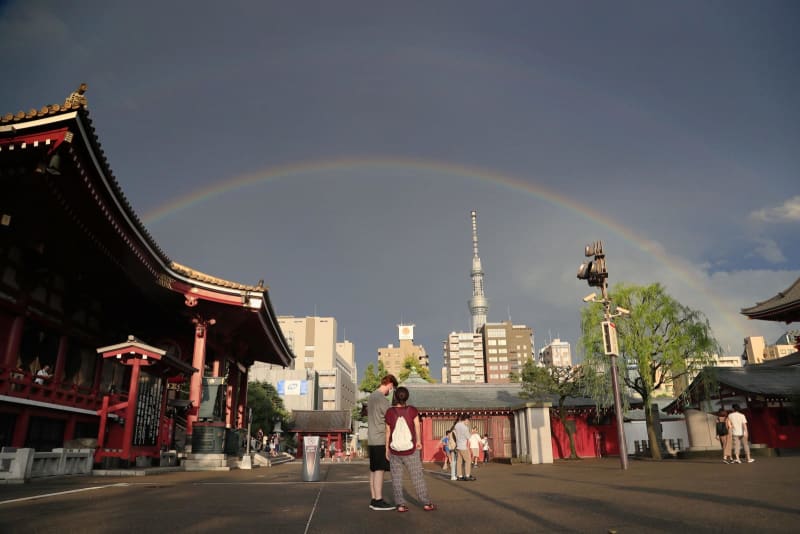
(430, 507)
(402, 508)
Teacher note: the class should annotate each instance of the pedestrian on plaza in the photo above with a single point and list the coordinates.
(740, 434)
(475, 446)
(723, 430)
(273, 446)
(403, 449)
(264, 443)
(486, 448)
(451, 444)
(377, 404)
(463, 460)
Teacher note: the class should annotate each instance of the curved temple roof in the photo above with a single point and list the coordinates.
(23, 130)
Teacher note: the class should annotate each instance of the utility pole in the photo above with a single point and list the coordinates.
(596, 274)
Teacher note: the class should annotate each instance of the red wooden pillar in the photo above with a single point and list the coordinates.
(61, 360)
(98, 374)
(14, 342)
(242, 405)
(196, 382)
(69, 428)
(231, 398)
(130, 409)
(101, 432)
(21, 428)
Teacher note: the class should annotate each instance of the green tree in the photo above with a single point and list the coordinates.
(412, 363)
(662, 340)
(371, 379)
(267, 406)
(541, 383)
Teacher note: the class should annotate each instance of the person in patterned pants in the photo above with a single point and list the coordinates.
(402, 456)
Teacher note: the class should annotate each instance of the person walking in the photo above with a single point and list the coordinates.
(740, 434)
(723, 430)
(403, 447)
(463, 460)
(451, 445)
(486, 448)
(377, 404)
(475, 446)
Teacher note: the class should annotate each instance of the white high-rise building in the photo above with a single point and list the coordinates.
(318, 358)
(463, 358)
(556, 354)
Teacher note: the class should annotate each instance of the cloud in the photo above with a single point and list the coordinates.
(788, 212)
(769, 250)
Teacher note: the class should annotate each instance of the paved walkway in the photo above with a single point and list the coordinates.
(682, 496)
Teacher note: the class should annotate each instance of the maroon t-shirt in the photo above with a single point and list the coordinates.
(409, 413)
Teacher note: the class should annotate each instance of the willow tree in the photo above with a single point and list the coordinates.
(661, 341)
(541, 383)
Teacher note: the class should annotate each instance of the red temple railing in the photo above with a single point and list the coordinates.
(22, 384)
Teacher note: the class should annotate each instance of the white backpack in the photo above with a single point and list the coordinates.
(401, 436)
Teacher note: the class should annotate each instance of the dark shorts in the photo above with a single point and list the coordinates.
(377, 458)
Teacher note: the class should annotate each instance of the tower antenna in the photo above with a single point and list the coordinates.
(478, 304)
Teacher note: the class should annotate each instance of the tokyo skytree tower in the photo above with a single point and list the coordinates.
(478, 305)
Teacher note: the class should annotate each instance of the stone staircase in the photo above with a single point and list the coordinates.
(206, 462)
(221, 462)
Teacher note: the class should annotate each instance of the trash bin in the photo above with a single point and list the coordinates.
(310, 458)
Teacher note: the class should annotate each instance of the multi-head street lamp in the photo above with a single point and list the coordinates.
(595, 273)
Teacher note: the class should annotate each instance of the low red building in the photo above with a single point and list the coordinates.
(499, 411)
(78, 272)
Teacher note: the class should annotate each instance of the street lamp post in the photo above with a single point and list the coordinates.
(596, 274)
(623, 448)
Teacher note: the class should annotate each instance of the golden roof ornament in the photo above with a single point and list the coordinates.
(77, 97)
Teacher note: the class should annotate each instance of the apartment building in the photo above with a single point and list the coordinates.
(463, 358)
(325, 365)
(506, 347)
(394, 356)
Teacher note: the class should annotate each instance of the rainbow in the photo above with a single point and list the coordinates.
(204, 194)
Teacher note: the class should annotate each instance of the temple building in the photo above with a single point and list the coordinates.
(103, 338)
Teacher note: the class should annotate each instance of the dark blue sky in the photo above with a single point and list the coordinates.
(673, 127)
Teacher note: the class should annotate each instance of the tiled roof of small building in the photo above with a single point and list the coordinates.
(469, 397)
(321, 421)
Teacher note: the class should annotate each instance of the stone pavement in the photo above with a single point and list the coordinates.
(701, 495)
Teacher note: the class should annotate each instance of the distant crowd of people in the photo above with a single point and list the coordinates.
(265, 443)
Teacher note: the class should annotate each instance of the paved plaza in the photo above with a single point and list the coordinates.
(685, 496)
